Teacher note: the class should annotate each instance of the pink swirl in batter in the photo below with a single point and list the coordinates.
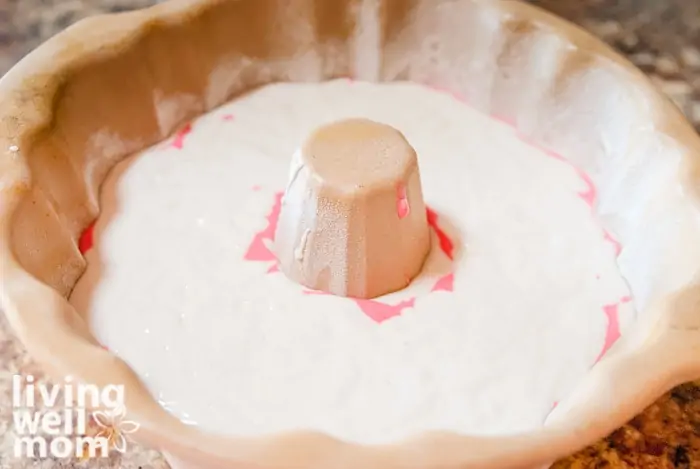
(615, 243)
(259, 249)
(446, 243)
(180, 136)
(590, 194)
(86, 240)
(380, 312)
(445, 283)
(612, 332)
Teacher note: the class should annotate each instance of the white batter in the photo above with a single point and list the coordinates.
(226, 345)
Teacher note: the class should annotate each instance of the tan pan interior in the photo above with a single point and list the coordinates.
(110, 86)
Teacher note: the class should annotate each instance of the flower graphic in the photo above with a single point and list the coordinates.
(114, 427)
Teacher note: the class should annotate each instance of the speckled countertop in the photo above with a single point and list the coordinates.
(662, 37)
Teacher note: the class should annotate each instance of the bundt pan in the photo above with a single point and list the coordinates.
(112, 85)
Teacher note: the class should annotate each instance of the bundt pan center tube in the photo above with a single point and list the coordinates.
(113, 85)
(353, 220)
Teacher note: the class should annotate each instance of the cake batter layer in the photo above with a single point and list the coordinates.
(520, 292)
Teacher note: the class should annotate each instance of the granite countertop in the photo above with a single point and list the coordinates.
(662, 37)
